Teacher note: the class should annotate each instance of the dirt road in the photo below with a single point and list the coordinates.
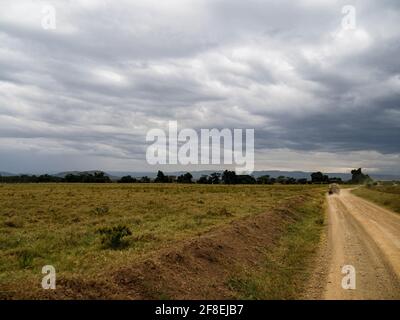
(367, 237)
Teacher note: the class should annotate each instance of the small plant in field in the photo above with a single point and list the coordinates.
(12, 223)
(137, 221)
(225, 212)
(25, 259)
(101, 210)
(113, 237)
(198, 219)
(320, 221)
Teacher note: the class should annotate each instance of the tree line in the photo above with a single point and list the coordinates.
(97, 177)
(231, 177)
(226, 177)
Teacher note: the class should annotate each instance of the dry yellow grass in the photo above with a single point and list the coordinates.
(56, 224)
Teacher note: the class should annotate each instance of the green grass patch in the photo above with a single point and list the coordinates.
(386, 195)
(286, 267)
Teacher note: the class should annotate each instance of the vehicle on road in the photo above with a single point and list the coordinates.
(334, 189)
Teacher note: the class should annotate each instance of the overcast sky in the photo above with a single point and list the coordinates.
(84, 95)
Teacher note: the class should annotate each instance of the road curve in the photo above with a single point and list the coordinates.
(367, 237)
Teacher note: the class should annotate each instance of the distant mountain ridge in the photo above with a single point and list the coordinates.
(65, 173)
(6, 174)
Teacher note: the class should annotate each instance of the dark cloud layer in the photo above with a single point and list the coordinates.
(84, 95)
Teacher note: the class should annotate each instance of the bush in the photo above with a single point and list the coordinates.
(101, 210)
(221, 212)
(25, 259)
(13, 223)
(113, 237)
(225, 212)
(320, 221)
(370, 185)
(127, 179)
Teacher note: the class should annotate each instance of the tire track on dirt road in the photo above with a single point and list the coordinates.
(366, 236)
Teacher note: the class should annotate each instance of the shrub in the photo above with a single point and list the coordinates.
(225, 212)
(220, 213)
(25, 259)
(13, 223)
(113, 237)
(101, 210)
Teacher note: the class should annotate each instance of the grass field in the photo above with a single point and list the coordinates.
(384, 195)
(285, 268)
(58, 224)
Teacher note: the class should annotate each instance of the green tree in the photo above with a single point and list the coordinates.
(319, 177)
(229, 177)
(204, 179)
(185, 178)
(161, 177)
(357, 177)
(215, 178)
(145, 179)
(263, 179)
(127, 179)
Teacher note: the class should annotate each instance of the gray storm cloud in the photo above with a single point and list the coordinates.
(84, 95)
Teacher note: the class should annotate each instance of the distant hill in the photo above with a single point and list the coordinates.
(385, 177)
(64, 173)
(6, 174)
